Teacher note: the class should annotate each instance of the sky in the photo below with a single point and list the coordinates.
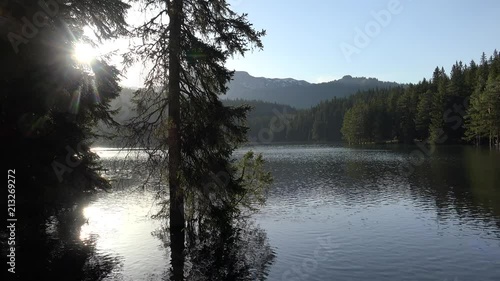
(392, 40)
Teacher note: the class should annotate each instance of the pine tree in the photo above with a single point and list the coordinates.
(406, 115)
(423, 115)
(476, 118)
(354, 128)
(470, 74)
(437, 126)
(189, 52)
(492, 96)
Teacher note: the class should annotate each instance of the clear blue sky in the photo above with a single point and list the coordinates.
(305, 37)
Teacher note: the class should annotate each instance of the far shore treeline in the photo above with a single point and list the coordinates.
(462, 107)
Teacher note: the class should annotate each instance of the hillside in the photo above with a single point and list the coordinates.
(270, 98)
(297, 93)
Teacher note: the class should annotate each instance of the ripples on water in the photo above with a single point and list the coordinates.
(337, 213)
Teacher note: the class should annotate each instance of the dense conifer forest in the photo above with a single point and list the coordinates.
(462, 107)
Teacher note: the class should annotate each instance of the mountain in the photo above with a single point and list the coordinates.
(298, 93)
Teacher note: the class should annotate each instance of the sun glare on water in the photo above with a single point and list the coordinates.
(100, 221)
(84, 53)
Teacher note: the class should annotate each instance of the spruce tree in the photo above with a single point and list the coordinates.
(492, 96)
(179, 111)
(476, 118)
(355, 124)
(437, 132)
(423, 115)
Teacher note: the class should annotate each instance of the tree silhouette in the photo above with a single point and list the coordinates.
(49, 104)
(179, 111)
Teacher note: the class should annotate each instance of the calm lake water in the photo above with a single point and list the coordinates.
(337, 213)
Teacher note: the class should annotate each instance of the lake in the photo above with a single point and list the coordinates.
(336, 213)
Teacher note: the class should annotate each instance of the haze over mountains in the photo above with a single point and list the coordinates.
(298, 93)
(289, 92)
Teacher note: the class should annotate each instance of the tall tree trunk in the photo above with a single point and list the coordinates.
(177, 221)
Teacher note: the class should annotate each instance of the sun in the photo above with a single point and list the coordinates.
(84, 53)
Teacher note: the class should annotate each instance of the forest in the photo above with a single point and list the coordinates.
(56, 107)
(462, 107)
(54, 96)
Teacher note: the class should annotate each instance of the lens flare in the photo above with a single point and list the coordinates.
(84, 53)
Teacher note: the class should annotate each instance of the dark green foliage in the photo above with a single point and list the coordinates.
(226, 248)
(264, 117)
(483, 115)
(327, 121)
(49, 104)
(423, 116)
(209, 130)
(180, 116)
(356, 128)
(444, 109)
(461, 107)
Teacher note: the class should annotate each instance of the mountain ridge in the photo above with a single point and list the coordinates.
(298, 93)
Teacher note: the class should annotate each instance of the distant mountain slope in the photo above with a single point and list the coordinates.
(269, 97)
(298, 93)
(266, 121)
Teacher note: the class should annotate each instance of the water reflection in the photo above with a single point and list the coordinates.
(48, 244)
(225, 250)
(462, 182)
(219, 249)
(218, 246)
(442, 222)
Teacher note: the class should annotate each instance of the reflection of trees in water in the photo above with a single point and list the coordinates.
(48, 244)
(462, 181)
(482, 170)
(220, 245)
(221, 248)
(218, 250)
